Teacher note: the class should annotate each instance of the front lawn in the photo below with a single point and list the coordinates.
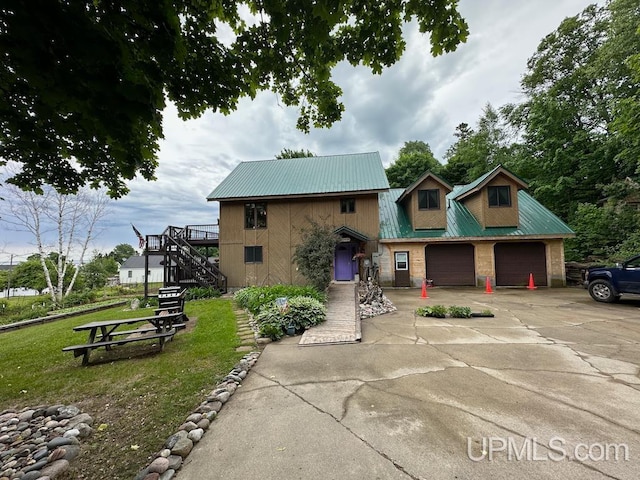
(140, 394)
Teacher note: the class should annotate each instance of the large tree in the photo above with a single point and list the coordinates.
(289, 153)
(621, 61)
(566, 115)
(60, 226)
(96, 273)
(478, 151)
(121, 252)
(29, 274)
(414, 159)
(84, 83)
(579, 126)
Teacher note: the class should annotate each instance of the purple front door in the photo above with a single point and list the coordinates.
(344, 263)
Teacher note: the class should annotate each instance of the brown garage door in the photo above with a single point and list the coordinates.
(451, 264)
(515, 261)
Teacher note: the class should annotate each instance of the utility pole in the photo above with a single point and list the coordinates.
(9, 275)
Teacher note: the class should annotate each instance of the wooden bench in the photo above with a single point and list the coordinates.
(106, 333)
(177, 326)
(170, 309)
(85, 349)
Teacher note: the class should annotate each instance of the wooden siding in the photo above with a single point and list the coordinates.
(427, 219)
(501, 216)
(488, 216)
(476, 205)
(286, 220)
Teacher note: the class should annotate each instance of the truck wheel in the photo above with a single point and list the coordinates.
(602, 291)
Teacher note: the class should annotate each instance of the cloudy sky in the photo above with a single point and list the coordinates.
(419, 98)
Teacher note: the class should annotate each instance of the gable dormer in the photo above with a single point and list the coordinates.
(425, 202)
(493, 198)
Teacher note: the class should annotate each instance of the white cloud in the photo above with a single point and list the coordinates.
(419, 98)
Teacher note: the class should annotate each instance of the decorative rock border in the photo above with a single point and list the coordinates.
(38, 443)
(179, 445)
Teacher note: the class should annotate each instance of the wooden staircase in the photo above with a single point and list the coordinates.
(184, 265)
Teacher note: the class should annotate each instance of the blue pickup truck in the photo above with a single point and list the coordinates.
(607, 284)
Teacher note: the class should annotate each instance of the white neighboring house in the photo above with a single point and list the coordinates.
(132, 270)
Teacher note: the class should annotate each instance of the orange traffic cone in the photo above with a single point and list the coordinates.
(424, 289)
(531, 284)
(487, 285)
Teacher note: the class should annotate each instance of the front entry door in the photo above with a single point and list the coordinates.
(344, 261)
(401, 266)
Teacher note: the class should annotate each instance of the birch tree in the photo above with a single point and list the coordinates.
(57, 223)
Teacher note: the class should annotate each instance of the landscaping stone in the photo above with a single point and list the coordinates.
(182, 447)
(195, 435)
(180, 444)
(372, 301)
(37, 443)
(168, 475)
(159, 465)
(56, 468)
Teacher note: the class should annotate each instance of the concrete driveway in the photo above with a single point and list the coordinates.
(548, 388)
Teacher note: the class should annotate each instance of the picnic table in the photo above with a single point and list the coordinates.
(107, 334)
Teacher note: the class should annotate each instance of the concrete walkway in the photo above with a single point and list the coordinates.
(343, 322)
(554, 376)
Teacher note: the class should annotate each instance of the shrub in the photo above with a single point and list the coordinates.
(253, 298)
(78, 298)
(199, 293)
(11, 312)
(301, 313)
(314, 256)
(150, 301)
(459, 312)
(437, 311)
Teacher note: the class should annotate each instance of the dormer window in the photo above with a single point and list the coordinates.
(429, 199)
(499, 196)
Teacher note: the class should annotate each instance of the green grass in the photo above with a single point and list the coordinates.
(141, 394)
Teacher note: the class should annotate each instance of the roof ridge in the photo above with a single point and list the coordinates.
(315, 156)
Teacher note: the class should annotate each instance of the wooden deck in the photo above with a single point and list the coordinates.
(343, 322)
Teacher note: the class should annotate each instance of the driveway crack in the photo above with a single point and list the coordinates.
(396, 465)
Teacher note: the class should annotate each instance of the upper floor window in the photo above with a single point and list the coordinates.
(348, 205)
(429, 199)
(255, 215)
(500, 196)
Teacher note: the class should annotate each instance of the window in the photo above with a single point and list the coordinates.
(255, 215)
(429, 199)
(252, 254)
(500, 196)
(402, 261)
(129, 273)
(348, 205)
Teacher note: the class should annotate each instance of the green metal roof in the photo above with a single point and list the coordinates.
(535, 220)
(427, 174)
(303, 176)
(465, 189)
(344, 230)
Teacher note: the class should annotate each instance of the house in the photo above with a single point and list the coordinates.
(265, 206)
(461, 235)
(133, 269)
(452, 235)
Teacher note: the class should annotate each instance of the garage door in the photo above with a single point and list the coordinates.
(451, 264)
(515, 261)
